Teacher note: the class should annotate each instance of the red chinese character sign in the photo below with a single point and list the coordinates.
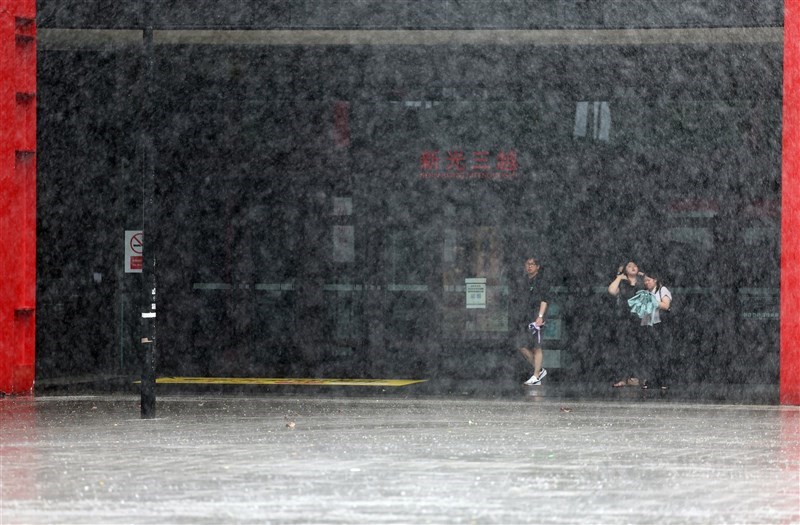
(469, 164)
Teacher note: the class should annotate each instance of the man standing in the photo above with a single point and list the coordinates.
(530, 307)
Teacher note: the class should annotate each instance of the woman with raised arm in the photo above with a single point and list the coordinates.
(628, 359)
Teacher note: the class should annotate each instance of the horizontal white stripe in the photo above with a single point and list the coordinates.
(211, 286)
(274, 287)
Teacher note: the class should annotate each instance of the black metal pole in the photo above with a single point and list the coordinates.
(149, 212)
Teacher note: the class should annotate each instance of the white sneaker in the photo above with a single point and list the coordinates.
(532, 381)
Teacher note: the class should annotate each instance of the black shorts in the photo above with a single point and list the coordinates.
(525, 339)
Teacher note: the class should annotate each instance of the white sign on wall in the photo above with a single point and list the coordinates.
(344, 244)
(476, 292)
(134, 249)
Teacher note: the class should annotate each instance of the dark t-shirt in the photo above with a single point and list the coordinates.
(528, 295)
(626, 291)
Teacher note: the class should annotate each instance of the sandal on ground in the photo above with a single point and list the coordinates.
(631, 381)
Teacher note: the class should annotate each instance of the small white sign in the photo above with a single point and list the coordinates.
(476, 292)
(344, 244)
(342, 206)
(134, 250)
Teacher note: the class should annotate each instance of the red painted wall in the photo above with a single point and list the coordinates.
(17, 195)
(790, 208)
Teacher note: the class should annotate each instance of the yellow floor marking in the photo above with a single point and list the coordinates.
(285, 381)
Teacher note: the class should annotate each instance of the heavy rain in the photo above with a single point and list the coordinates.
(395, 261)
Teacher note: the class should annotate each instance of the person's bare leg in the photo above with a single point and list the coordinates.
(529, 356)
(537, 361)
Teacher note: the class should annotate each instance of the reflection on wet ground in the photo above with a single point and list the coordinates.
(385, 458)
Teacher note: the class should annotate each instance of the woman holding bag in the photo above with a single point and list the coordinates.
(656, 340)
(625, 286)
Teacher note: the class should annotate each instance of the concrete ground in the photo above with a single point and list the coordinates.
(380, 457)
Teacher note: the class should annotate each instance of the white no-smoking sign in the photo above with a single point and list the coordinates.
(134, 248)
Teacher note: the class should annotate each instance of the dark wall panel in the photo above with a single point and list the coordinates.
(413, 14)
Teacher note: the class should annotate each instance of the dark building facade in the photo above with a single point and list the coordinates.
(330, 174)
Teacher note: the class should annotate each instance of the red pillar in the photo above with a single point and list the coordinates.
(790, 208)
(17, 195)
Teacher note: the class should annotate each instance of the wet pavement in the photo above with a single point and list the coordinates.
(385, 458)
